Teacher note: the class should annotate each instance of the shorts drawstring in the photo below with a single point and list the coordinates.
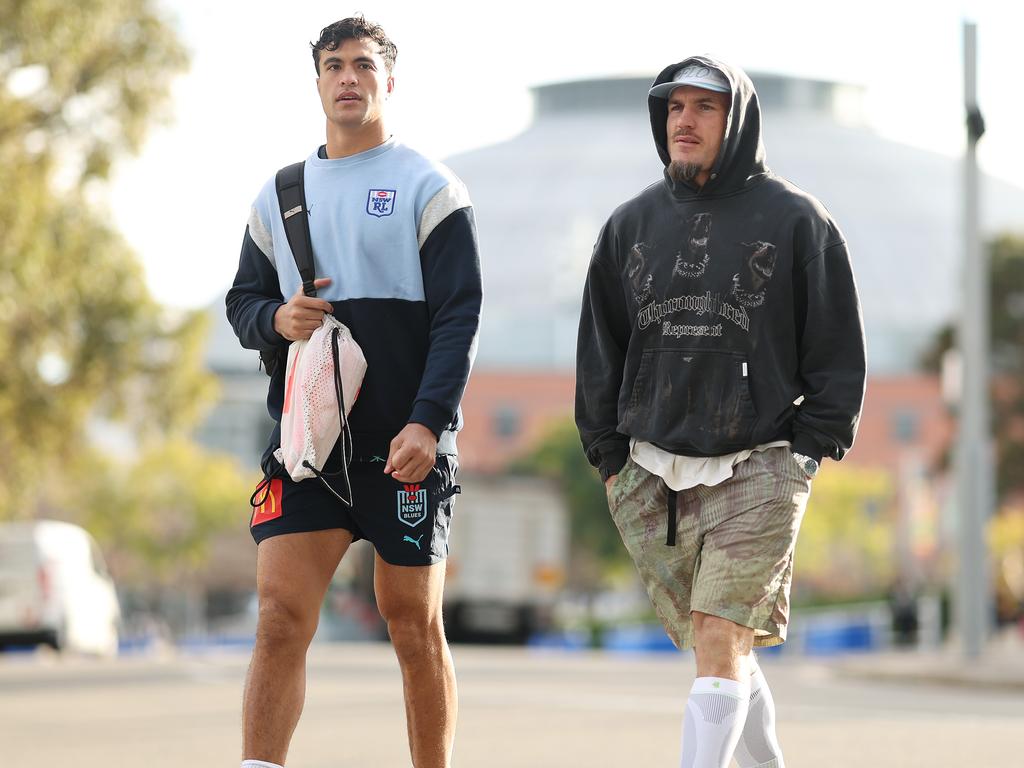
(264, 486)
(670, 536)
(270, 471)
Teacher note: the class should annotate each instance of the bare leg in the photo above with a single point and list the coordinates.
(292, 574)
(722, 648)
(409, 599)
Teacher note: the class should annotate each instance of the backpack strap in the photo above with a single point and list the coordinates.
(291, 197)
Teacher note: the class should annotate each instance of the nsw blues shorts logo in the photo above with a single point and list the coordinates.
(380, 202)
(412, 505)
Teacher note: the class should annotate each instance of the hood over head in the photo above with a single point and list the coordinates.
(741, 157)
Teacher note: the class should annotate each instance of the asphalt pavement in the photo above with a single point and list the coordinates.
(518, 707)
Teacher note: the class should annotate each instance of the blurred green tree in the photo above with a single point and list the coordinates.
(1006, 297)
(83, 343)
(846, 546)
(1006, 543)
(155, 511)
(595, 540)
(81, 82)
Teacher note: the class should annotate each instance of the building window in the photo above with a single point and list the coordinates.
(904, 424)
(507, 421)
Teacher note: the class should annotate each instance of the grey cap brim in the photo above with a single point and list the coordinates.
(664, 90)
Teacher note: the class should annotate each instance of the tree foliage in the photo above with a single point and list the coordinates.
(1006, 542)
(83, 342)
(846, 545)
(81, 82)
(1006, 303)
(560, 456)
(155, 511)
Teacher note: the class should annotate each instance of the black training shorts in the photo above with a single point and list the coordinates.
(407, 523)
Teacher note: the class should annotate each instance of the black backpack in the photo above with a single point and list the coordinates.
(291, 198)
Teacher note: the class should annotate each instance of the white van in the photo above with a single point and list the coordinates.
(55, 589)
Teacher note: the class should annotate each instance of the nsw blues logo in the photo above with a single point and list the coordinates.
(412, 505)
(380, 202)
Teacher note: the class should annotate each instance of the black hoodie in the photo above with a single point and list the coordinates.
(710, 312)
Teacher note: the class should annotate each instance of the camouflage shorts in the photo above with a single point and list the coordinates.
(733, 555)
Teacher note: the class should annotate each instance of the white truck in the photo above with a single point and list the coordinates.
(508, 558)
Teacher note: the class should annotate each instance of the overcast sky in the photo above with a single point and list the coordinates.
(248, 105)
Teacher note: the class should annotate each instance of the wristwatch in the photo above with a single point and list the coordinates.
(807, 464)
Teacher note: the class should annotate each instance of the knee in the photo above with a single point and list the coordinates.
(720, 631)
(415, 635)
(721, 646)
(285, 626)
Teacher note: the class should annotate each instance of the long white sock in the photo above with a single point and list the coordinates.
(259, 764)
(759, 746)
(715, 713)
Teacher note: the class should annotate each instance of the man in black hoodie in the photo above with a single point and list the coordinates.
(720, 357)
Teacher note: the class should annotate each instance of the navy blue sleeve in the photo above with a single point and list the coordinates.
(254, 298)
(450, 261)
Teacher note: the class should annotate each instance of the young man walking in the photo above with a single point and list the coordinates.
(720, 357)
(395, 252)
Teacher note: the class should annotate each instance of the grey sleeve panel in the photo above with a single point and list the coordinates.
(450, 198)
(261, 236)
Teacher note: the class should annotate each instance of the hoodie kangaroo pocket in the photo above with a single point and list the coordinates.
(694, 401)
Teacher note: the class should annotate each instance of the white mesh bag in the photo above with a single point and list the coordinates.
(323, 371)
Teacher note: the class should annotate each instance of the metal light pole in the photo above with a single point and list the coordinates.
(974, 459)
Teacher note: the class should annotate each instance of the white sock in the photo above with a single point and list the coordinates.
(759, 746)
(259, 764)
(715, 713)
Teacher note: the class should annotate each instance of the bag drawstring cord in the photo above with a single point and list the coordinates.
(347, 448)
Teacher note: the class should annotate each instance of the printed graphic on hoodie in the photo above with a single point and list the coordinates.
(748, 288)
(697, 248)
(749, 285)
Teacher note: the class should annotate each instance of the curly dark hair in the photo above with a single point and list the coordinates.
(358, 28)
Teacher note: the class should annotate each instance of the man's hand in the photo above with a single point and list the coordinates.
(303, 314)
(413, 452)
